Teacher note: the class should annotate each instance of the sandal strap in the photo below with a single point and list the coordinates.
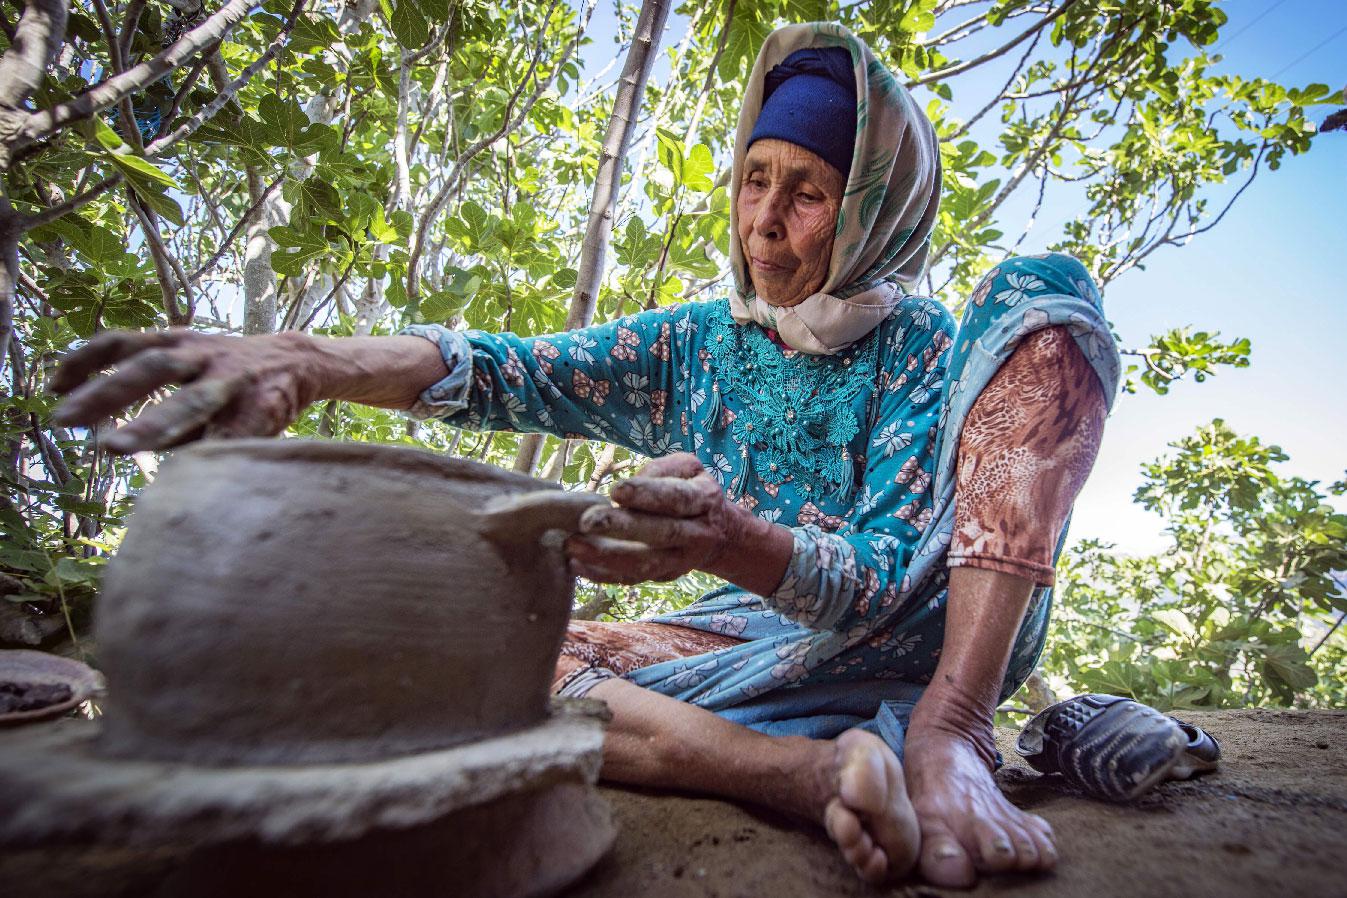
(1107, 746)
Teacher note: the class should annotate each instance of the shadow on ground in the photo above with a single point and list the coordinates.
(1272, 821)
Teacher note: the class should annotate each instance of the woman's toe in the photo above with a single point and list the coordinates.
(841, 825)
(1047, 849)
(944, 862)
(1026, 852)
(845, 829)
(996, 852)
(876, 868)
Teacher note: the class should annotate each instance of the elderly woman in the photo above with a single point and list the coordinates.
(882, 491)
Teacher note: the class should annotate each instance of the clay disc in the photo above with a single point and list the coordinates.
(22, 666)
(526, 845)
(58, 788)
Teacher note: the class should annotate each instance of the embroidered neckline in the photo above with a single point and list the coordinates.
(797, 415)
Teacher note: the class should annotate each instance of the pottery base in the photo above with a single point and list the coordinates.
(522, 846)
(56, 787)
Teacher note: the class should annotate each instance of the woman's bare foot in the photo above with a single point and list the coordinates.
(867, 812)
(852, 785)
(967, 826)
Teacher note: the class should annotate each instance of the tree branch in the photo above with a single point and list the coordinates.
(46, 122)
(507, 126)
(165, 264)
(130, 22)
(710, 75)
(234, 232)
(1167, 238)
(962, 67)
(1000, 96)
(607, 182)
(207, 112)
(47, 216)
(37, 40)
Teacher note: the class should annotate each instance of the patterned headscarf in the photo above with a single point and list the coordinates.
(888, 209)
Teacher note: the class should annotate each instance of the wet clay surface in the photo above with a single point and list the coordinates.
(1272, 821)
(36, 686)
(289, 602)
(32, 696)
(55, 789)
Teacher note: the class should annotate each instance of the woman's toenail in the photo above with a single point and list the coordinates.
(945, 852)
(1002, 846)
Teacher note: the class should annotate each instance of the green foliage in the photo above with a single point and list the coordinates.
(1177, 352)
(1241, 607)
(466, 135)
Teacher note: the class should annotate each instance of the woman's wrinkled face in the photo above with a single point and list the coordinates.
(787, 208)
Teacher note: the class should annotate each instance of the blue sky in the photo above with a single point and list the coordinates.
(1273, 271)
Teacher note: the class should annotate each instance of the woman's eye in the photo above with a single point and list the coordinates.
(806, 197)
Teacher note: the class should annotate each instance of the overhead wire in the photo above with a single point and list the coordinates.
(1256, 19)
(1308, 53)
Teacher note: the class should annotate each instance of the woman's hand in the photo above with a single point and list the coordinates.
(673, 518)
(232, 386)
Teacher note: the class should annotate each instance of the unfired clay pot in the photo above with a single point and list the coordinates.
(295, 602)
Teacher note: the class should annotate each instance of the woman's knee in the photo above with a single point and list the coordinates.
(1048, 386)
(1021, 278)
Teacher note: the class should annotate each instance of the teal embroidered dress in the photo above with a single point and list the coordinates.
(853, 451)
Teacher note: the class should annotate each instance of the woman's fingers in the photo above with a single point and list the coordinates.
(105, 350)
(606, 560)
(263, 411)
(654, 530)
(141, 375)
(177, 419)
(675, 496)
(679, 464)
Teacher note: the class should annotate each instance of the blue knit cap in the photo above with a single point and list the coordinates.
(809, 99)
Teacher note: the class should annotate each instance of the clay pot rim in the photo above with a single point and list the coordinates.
(43, 667)
(61, 787)
(389, 456)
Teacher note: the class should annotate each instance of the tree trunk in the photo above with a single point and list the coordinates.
(259, 281)
(599, 230)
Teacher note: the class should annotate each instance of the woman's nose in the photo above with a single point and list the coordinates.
(770, 221)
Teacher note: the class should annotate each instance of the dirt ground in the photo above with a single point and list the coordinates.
(1272, 821)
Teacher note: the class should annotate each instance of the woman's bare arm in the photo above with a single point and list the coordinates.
(232, 386)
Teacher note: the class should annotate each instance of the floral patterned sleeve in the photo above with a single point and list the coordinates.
(609, 382)
(853, 579)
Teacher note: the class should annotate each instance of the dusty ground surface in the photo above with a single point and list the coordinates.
(1272, 821)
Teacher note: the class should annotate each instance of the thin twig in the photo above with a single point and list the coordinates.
(163, 144)
(1318, 645)
(1000, 96)
(164, 263)
(959, 68)
(130, 22)
(508, 125)
(47, 216)
(46, 122)
(341, 282)
(234, 232)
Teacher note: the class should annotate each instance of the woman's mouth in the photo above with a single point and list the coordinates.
(766, 267)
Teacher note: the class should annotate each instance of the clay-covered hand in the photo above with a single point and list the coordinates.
(233, 386)
(669, 519)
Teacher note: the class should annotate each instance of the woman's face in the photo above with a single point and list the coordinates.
(787, 209)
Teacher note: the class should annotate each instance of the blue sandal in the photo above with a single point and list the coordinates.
(1115, 748)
